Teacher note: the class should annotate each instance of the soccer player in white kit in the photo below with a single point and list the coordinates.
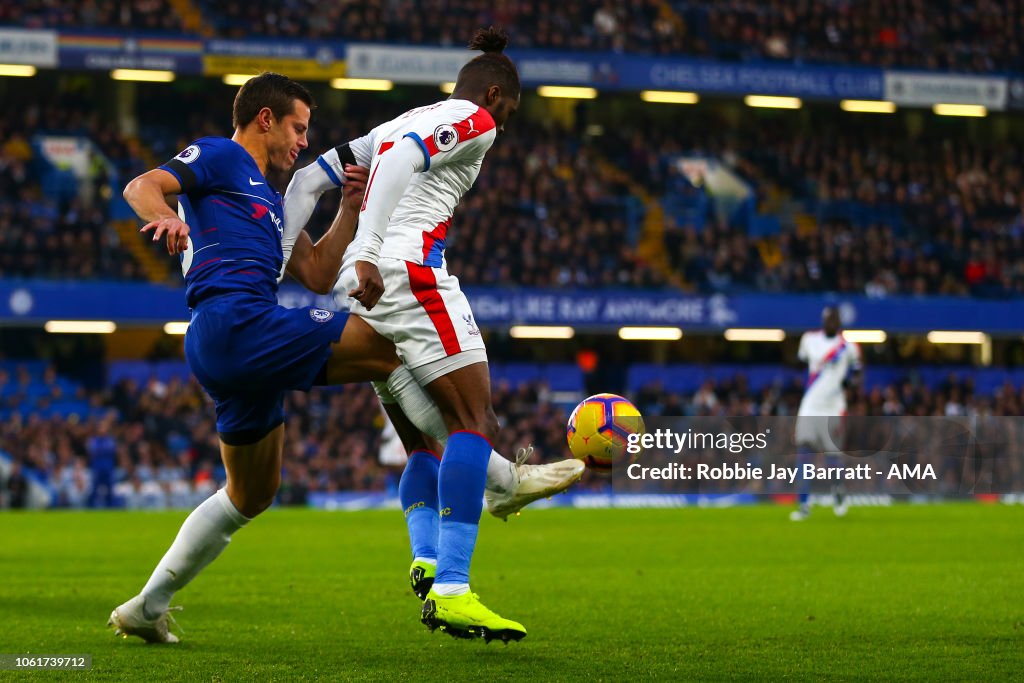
(834, 364)
(422, 163)
(416, 417)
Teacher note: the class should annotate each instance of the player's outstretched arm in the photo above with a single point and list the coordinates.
(147, 195)
(316, 266)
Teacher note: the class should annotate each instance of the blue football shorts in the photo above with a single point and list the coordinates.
(246, 352)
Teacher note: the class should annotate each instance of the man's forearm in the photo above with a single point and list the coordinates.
(147, 200)
(329, 250)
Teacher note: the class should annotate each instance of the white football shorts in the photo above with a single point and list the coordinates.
(426, 315)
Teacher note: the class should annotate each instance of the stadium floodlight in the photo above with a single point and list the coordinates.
(669, 97)
(448, 88)
(20, 70)
(772, 102)
(236, 79)
(865, 336)
(541, 332)
(80, 326)
(650, 333)
(977, 110)
(750, 334)
(868, 106)
(176, 328)
(567, 92)
(145, 75)
(957, 337)
(379, 84)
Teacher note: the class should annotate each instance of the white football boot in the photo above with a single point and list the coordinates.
(130, 620)
(533, 482)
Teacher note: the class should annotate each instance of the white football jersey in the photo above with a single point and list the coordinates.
(454, 136)
(829, 361)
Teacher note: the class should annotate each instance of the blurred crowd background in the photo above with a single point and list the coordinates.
(153, 443)
(981, 36)
(613, 194)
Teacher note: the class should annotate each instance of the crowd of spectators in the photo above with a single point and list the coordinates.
(51, 227)
(934, 213)
(155, 16)
(890, 211)
(548, 212)
(969, 37)
(953, 397)
(155, 445)
(979, 36)
(875, 261)
(982, 36)
(893, 213)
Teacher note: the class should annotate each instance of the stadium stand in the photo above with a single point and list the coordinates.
(974, 37)
(53, 225)
(969, 37)
(939, 211)
(600, 199)
(156, 16)
(161, 449)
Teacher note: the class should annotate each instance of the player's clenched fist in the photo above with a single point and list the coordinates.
(371, 285)
(177, 233)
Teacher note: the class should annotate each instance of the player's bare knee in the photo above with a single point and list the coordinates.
(251, 507)
(258, 507)
(251, 500)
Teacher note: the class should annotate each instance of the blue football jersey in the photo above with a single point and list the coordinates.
(235, 220)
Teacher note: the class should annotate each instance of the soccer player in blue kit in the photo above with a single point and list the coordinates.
(244, 348)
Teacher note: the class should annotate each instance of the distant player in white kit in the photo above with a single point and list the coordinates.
(834, 364)
(422, 163)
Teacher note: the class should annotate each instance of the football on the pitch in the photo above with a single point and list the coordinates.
(599, 430)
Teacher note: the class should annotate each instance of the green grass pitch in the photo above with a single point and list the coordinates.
(909, 592)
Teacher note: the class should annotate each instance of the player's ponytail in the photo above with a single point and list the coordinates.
(489, 40)
(492, 67)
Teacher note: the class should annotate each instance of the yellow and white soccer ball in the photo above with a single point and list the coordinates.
(599, 428)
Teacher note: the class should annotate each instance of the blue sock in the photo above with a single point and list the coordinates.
(804, 457)
(418, 492)
(460, 486)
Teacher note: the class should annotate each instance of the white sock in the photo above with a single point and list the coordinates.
(426, 560)
(450, 588)
(501, 474)
(205, 533)
(403, 389)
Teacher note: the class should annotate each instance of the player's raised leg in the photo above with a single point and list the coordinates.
(250, 425)
(511, 486)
